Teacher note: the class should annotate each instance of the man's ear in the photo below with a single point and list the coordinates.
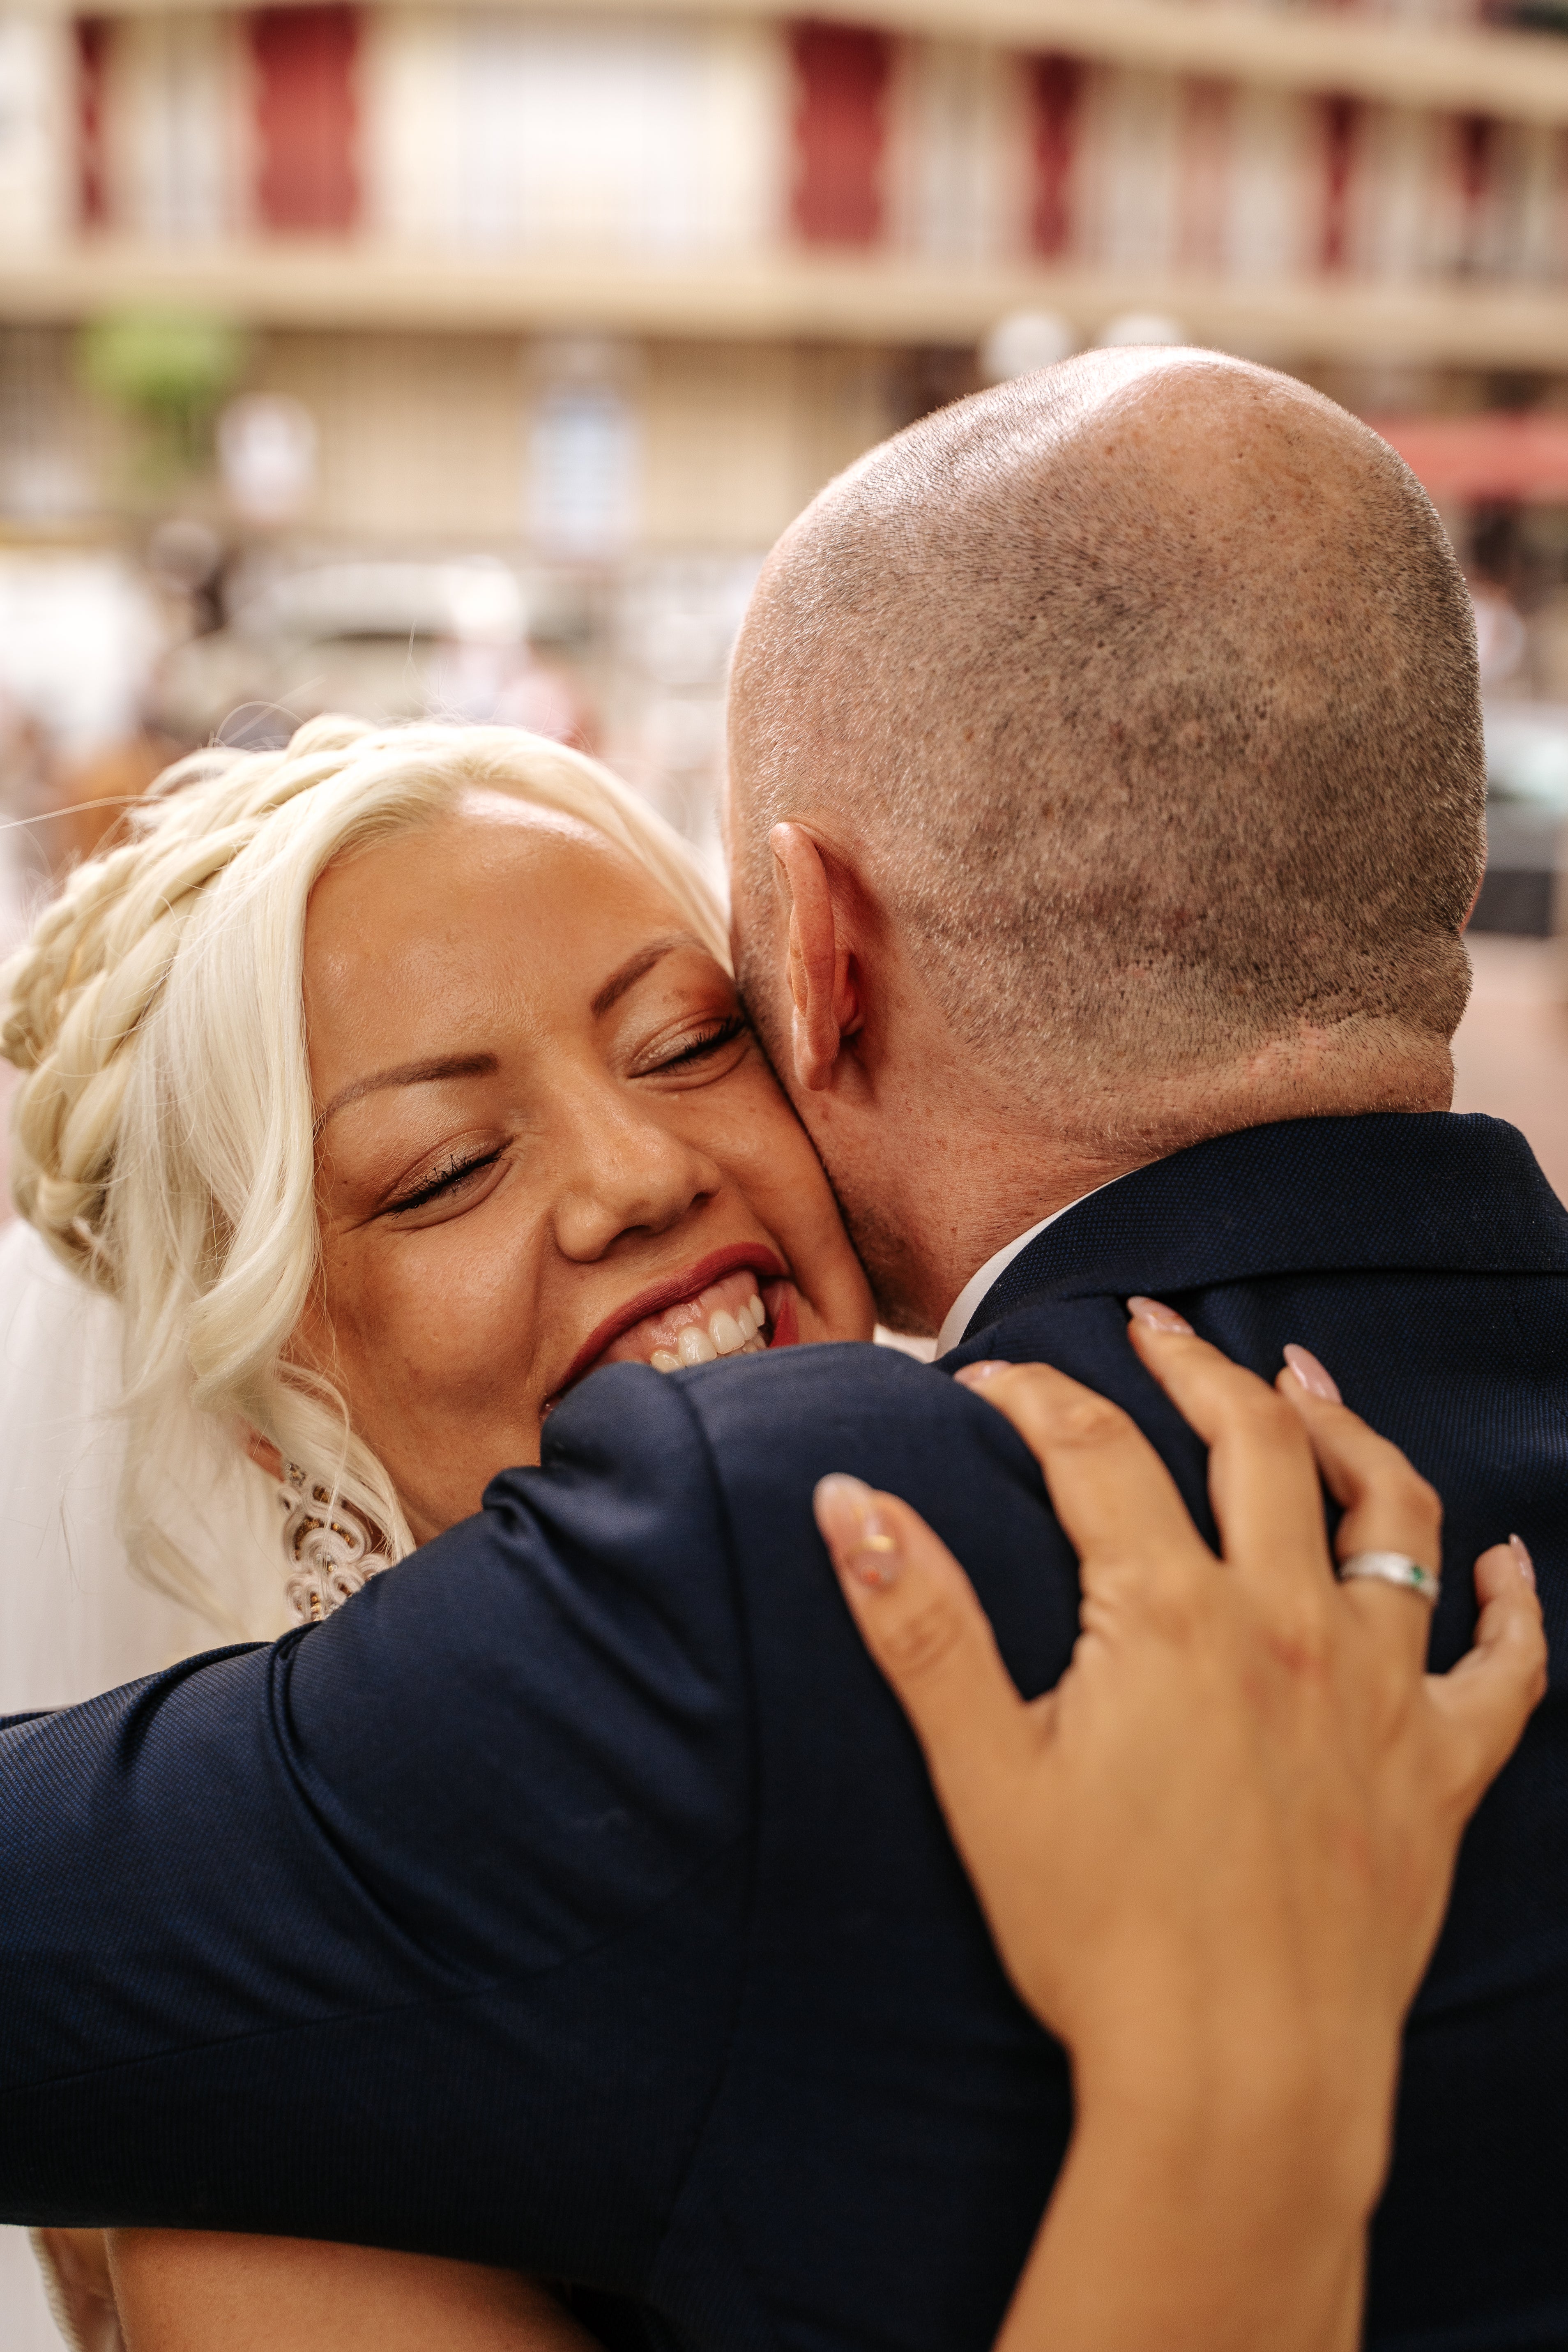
(825, 1002)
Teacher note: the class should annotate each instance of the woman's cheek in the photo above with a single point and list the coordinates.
(443, 1328)
(392, 1328)
(769, 1154)
(481, 1317)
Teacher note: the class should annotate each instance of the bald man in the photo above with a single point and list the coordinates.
(1106, 805)
(1106, 774)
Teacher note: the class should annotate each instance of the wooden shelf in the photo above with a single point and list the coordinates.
(1519, 77)
(853, 299)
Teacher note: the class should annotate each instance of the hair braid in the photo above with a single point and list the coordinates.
(73, 998)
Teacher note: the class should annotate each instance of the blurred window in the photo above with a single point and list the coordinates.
(35, 65)
(584, 486)
(172, 108)
(582, 138)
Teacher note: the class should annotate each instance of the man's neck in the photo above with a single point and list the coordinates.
(972, 1203)
(959, 1316)
(968, 1186)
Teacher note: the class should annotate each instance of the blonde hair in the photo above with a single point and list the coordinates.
(163, 1134)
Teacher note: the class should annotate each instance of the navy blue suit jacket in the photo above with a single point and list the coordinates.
(575, 1897)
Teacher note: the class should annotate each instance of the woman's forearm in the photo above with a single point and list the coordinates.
(1130, 2259)
(1213, 2226)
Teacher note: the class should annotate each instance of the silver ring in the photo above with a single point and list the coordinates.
(1394, 1567)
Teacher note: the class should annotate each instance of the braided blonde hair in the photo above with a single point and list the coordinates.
(161, 1136)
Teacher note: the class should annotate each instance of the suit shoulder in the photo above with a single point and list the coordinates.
(626, 1433)
(654, 1437)
(772, 1425)
(777, 1403)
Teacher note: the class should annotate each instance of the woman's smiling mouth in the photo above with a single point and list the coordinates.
(726, 1319)
(735, 1301)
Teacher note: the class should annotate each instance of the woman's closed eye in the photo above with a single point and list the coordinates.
(692, 1047)
(455, 1181)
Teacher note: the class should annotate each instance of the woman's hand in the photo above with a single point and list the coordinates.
(1215, 1858)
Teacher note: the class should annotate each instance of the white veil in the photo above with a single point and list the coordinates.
(74, 1619)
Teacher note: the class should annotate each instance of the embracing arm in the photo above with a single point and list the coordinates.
(1217, 1858)
(191, 2291)
(335, 1937)
(203, 2291)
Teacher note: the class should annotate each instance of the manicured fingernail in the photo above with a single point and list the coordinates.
(853, 1529)
(974, 1376)
(1522, 1560)
(1154, 1317)
(1312, 1376)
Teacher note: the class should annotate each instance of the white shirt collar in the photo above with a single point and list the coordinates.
(955, 1322)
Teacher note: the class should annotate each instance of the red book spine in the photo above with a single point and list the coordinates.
(305, 118)
(841, 76)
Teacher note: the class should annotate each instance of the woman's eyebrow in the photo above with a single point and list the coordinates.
(410, 1074)
(633, 969)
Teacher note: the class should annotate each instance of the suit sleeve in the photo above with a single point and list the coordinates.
(418, 1928)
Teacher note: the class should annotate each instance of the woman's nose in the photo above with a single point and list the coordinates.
(632, 1174)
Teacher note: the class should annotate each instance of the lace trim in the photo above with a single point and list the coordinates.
(330, 1548)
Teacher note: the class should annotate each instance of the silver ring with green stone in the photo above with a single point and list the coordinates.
(1394, 1567)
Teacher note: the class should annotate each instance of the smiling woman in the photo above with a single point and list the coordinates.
(392, 1083)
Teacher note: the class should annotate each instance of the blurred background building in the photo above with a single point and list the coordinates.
(467, 358)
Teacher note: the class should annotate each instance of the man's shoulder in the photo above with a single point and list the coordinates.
(677, 1440)
(651, 1464)
(778, 1407)
(677, 1508)
(685, 1498)
(756, 1422)
(734, 1451)
(645, 1464)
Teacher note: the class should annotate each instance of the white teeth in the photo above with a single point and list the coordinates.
(738, 1331)
(725, 1332)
